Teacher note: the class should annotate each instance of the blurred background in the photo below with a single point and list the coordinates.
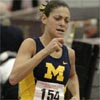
(22, 19)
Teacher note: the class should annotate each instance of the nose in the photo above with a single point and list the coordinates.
(62, 22)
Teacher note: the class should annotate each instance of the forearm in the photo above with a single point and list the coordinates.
(24, 68)
(73, 86)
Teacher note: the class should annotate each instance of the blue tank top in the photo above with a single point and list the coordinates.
(53, 70)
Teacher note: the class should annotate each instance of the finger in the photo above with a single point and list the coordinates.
(57, 47)
(61, 40)
(60, 45)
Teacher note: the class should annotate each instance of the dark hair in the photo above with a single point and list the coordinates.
(51, 5)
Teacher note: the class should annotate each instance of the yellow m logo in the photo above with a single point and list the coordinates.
(51, 71)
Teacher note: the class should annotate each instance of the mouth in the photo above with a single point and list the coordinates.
(60, 30)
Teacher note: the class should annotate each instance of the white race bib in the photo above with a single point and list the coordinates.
(48, 91)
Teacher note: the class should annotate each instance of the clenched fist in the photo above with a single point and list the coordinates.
(54, 45)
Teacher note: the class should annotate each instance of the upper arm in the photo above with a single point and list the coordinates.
(26, 51)
(72, 61)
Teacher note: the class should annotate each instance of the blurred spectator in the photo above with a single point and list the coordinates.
(91, 28)
(4, 14)
(10, 35)
(91, 31)
(22, 4)
(7, 59)
(10, 39)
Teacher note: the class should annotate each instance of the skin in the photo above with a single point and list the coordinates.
(53, 40)
(90, 29)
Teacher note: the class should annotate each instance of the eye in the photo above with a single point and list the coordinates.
(57, 18)
(66, 20)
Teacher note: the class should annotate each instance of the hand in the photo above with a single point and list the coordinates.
(54, 45)
(74, 98)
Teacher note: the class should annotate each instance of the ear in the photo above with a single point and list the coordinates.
(44, 19)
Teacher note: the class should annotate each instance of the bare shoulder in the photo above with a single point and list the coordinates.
(71, 53)
(29, 40)
(28, 45)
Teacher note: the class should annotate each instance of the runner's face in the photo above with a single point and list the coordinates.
(57, 22)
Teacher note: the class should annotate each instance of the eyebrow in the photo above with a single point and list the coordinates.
(62, 16)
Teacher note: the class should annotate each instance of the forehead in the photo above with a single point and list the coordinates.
(61, 11)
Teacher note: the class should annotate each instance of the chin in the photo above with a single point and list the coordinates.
(60, 36)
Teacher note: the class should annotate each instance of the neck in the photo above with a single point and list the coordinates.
(45, 39)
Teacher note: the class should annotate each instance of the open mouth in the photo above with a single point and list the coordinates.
(60, 30)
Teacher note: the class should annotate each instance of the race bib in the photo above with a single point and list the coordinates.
(48, 91)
